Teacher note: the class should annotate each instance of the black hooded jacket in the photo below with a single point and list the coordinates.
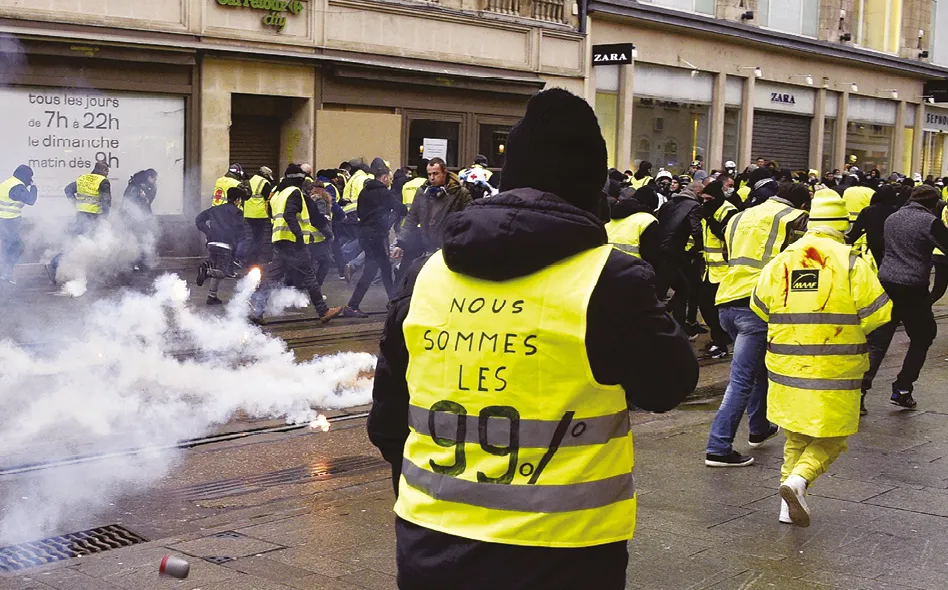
(650, 240)
(678, 219)
(630, 340)
(871, 221)
(376, 206)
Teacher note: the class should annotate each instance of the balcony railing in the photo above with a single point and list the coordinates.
(553, 11)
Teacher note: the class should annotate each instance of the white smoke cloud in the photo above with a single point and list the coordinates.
(124, 383)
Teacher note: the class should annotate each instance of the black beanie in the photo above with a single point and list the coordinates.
(715, 190)
(557, 148)
(758, 175)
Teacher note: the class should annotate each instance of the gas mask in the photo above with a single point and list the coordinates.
(436, 192)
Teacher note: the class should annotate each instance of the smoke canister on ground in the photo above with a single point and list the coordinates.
(174, 567)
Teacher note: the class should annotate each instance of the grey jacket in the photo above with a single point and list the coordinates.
(911, 234)
(423, 226)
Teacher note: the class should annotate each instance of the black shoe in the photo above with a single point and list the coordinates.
(735, 459)
(716, 352)
(862, 405)
(903, 399)
(354, 312)
(758, 440)
(211, 300)
(202, 273)
(695, 329)
(255, 320)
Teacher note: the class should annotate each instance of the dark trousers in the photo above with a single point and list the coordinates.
(912, 307)
(376, 260)
(709, 311)
(671, 274)
(941, 278)
(11, 245)
(221, 261)
(694, 270)
(289, 260)
(259, 249)
(321, 253)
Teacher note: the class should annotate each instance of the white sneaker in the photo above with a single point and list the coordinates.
(793, 492)
(784, 512)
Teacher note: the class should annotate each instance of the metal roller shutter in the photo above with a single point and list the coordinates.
(255, 142)
(784, 138)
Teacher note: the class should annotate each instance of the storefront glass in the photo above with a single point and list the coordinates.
(421, 129)
(871, 144)
(732, 133)
(933, 150)
(670, 134)
(607, 111)
(829, 144)
(492, 142)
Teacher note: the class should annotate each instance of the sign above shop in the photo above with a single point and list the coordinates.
(276, 10)
(936, 120)
(937, 89)
(615, 54)
(783, 98)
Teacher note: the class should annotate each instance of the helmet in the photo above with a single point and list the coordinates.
(265, 172)
(663, 174)
(480, 159)
(236, 169)
(815, 172)
(730, 165)
(829, 211)
(917, 177)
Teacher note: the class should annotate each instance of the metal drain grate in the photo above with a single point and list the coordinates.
(35, 553)
(320, 471)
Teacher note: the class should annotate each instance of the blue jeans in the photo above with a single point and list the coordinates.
(747, 388)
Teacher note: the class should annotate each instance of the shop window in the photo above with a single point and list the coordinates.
(908, 138)
(492, 142)
(675, 132)
(829, 146)
(871, 144)
(877, 24)
(700, 6)
(732, 133)
(800, 17)
(421, 129)
(939, 32)
(607, 111)
(933, 150)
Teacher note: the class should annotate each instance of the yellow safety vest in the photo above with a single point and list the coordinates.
(936, 252)
(256, 205)
(638, 183)
(88, 199)
(744, 192)
(411, 188)
(10, 209)
(626, 234)
(857, 198)
(281, 229)
(220, 189)
(715, 250)
(754, 238)
(944, 193)
(819, 300)
(511, 439)
(354, 189)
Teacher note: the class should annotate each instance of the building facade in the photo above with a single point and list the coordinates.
(809, 83)
(188, 86)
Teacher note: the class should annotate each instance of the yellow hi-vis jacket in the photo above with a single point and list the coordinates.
(754, 238)
(715, 249)
(858, 198)
(626, 233)
(936, 252)
(10, 209)
(281, 229)
(820, 300)
(256, 205)
(88, 199)
(744, 192)
(411, 189)
(354, 189)
(511, 439)
(220, 190)
(638, 183)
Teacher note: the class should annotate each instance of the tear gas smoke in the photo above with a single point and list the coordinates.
(121, 384)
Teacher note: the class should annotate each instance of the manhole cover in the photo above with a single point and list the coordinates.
(35, 553)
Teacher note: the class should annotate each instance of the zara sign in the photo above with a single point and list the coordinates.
(614, 54)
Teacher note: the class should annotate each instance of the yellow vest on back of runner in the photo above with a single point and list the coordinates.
(10, 209)
(281, 229)
(88, 199)
(220, 190)
(256, 205)
(626, 233)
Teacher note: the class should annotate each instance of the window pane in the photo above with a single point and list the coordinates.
(895, 26)
(421, 129)
(871, 144)
(873, 22)
(732, 132)
(607, 111)
(787, 18)
(704, 6)
(829, 143)
(493, 143)
(669, 134)
(679, 4)
(763, 8)
(811, 17)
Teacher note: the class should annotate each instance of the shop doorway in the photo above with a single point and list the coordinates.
(782, 137)
(255, 131)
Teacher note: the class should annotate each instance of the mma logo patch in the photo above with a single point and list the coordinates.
(805, 280)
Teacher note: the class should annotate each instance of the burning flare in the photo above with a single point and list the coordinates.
(254, 276)
(321, 423)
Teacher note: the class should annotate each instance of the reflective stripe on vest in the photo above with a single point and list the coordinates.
(281, 229)
(715, 250)
(256, 205)
(511, 440)
(88, 199)
(626, 233)
(220, 190)
(944, 220)
(754, 238)
(354, 189)
(817, 352)
(10, 209)
(638, 183)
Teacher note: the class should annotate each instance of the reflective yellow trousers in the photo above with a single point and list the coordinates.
(808, 456)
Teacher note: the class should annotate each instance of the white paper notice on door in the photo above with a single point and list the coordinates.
(435, 148)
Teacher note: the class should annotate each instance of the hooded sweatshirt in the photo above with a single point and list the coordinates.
(630, 341)
(678, 219)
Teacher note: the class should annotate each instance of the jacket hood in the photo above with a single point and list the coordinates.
(517, 233)
(627, 207)
(686, 194)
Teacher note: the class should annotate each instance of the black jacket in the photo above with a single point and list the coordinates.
(678, 219)
(762, 191)
(224, 223)
(399, 179)
(630, 340)
(871, 221)
(650, 240)
(376, 205)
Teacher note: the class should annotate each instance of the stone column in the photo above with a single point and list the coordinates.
(917, 138)
(842, 115)
(624, 117)
(718, 101)
(747, 124)
(818, 130)
(898, 138)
